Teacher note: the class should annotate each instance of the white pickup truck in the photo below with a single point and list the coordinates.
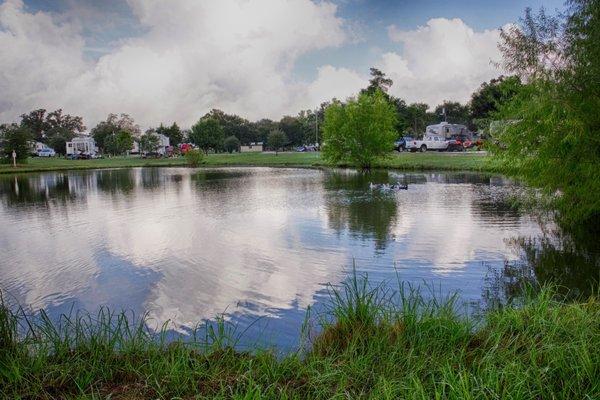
(432, 142)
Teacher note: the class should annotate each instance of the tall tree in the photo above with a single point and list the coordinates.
(551, 129)
(53, 127)
(277, 140)
(231, 144)
(359, 131)
(111, 128)
(207, 134)
(293, 129)
(378, 81)
(149, 141)
(453, 112)
(35, 122)
(490, 96)
(173, 132)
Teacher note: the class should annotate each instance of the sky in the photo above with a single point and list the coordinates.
(166, 61)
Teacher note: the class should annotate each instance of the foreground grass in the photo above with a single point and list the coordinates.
(369, 349)
(408, 161)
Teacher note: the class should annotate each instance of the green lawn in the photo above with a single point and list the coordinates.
(407, 161)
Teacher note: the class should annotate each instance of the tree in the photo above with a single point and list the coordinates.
(15, 138)
(207, 134)
(118, 143)
(149, 141)
(378, 81)
(453, 112)
(106, 131)
(277, 139)
(173, 132)
(263, 127)
(58, 140)
(231, 144)
(44, 127)
(360, 130)
(35, 122)
(293, 129)
(490, 96)
(550, 134)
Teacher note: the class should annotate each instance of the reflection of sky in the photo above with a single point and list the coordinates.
(188, 245)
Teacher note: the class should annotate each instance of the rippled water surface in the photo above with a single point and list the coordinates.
(186, 245)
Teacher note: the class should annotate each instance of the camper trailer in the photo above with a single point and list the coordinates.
(82, 146)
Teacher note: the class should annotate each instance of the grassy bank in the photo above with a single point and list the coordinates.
(370, 349)
(407, 161)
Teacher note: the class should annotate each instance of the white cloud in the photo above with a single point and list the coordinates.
(443, 60)
(192, 56)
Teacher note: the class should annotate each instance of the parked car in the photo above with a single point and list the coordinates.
(303, 149)
(79, 156)
(400, 144)
(46, 153)
(151, 154)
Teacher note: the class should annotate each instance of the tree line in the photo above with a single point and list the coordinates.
(219, 131)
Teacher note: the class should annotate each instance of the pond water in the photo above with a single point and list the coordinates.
(257, 245)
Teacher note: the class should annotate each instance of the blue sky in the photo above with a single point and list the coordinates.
(257, 58)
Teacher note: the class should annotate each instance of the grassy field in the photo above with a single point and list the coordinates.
(408, 161)
(370, 349)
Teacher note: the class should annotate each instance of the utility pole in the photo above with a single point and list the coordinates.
(317, 127)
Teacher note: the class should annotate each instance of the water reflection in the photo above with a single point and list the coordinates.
(36, 190)
(352, 206)
(569, 261)
(189, 244)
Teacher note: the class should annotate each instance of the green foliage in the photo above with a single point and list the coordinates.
(455, 113)
(149, 141)
(118, 143)
(106, 132)
(277, 139)
(359, 131)
(173, 132)
(193, 157)
(551, 129)
(58, 141)
(207, 134)
(372, 344)
(14, 137)
(44, 127)
(491, 95)
(231, 144)
(378, 82)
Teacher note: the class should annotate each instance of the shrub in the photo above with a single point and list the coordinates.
(194, 157)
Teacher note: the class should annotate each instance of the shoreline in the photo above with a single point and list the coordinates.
(469, 161)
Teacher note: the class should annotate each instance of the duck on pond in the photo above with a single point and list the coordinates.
(386, 187)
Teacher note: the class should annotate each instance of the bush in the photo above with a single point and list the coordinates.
(194, 157)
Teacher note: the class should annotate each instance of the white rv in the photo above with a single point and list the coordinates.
(82, 145)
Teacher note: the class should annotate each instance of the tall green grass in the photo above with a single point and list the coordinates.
(374, 343)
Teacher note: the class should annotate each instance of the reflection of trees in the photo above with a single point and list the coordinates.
(351, 205)
(150, 178)
(223, 190)
(571, 262)
(115, 181)
(39, 190)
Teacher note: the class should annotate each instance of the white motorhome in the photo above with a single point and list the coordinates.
(82, 145)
